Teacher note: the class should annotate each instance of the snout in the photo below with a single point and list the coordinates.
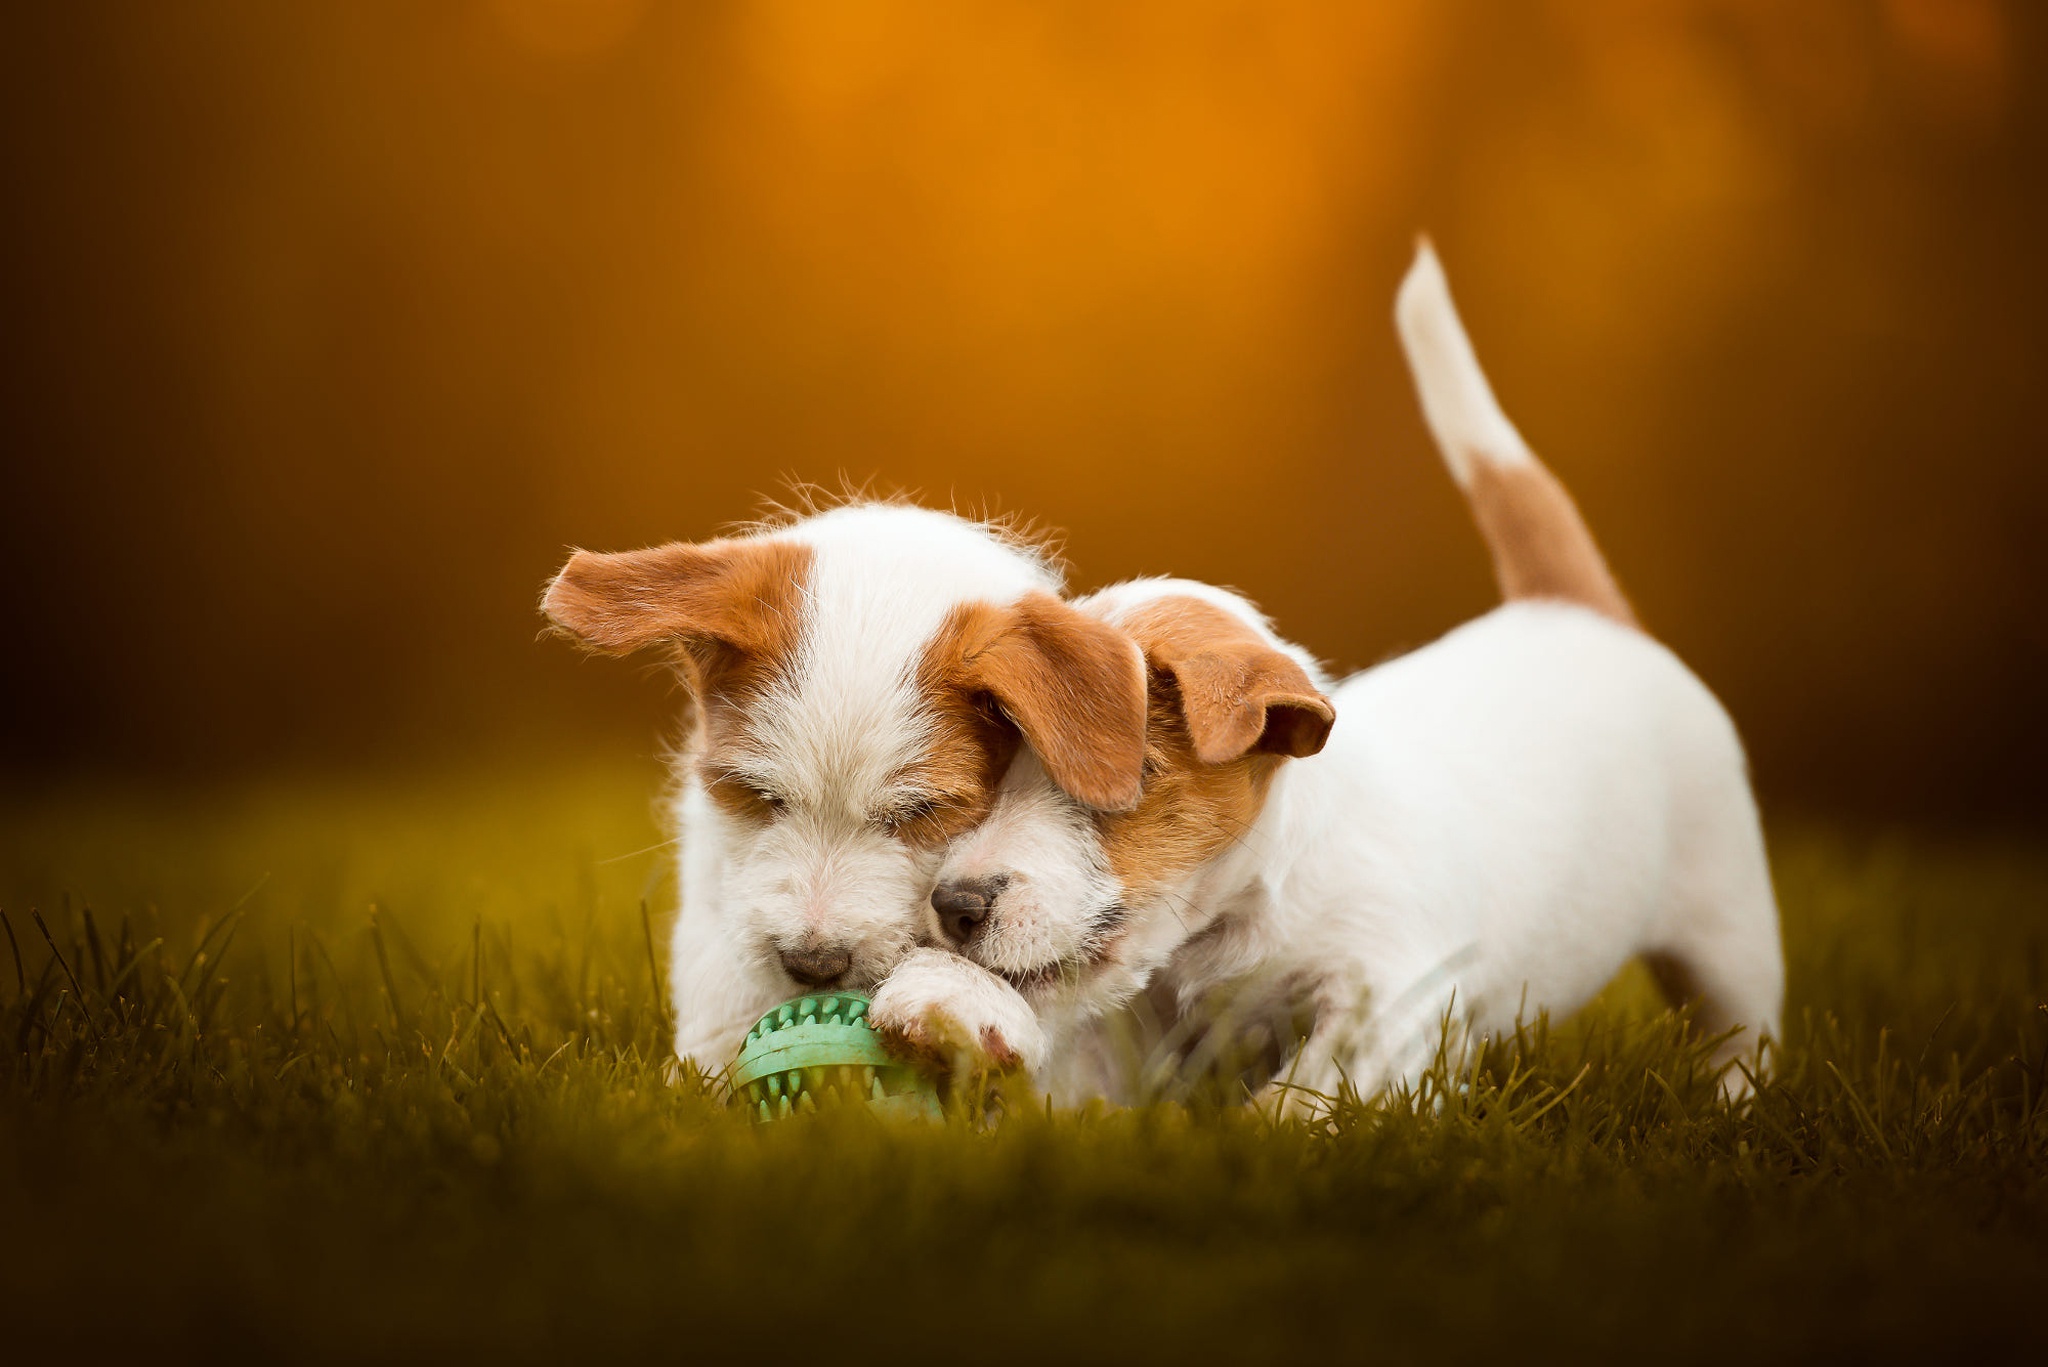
(817, 966)
(964, 903)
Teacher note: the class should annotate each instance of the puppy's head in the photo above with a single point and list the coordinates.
(1070, 903)
(860, 680)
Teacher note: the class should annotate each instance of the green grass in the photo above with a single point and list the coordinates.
(244, 1111)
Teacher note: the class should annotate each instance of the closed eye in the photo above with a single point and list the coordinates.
(912, 811)
(749, 790)
(909, 817)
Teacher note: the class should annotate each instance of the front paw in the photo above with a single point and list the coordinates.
(947, 1013)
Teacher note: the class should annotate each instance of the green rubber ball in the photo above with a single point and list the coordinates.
(821, 1050)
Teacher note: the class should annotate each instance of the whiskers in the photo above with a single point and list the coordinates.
(672, 843)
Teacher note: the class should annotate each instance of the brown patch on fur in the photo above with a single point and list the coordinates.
(997, 1050)
(970, 746)
(1541, 545)
(1072, 685)
(731, 610)
(1224, 708)
(1190, 811)
(1237, 692)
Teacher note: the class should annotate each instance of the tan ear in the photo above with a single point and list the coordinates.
(1075, 687)
(1239, 695)
(742, 594)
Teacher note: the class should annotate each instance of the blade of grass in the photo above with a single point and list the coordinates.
(77, 990)
(1551, 1104)
(653, 965)
(1857, 1108)
(198, 958)
(20, 977)
(384, 967)
(348, 1010)
(1671, 1092)
(212, 979)
(92, 944)
(32, 1014)
(134, 961)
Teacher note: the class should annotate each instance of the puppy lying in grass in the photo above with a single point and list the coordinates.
(1504, 818)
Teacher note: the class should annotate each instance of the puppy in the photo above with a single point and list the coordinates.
(858, 683)
(1505, 817)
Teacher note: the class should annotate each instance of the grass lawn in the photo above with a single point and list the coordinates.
(328, 1072)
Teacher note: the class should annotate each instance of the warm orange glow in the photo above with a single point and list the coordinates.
(336, 322)
(569, 28)
(1963, 44)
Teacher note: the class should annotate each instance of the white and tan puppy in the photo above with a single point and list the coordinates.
(859, 682)
(1501, 820)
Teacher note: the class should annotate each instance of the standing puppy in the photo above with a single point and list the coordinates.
(859, 681)
(1504, 818)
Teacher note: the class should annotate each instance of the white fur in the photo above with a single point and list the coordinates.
(1034, 825)
(1506, 818)
(831, 743)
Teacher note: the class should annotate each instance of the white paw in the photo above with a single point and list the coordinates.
(949, 1012)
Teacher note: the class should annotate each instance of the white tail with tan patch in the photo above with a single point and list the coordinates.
(1540, 544)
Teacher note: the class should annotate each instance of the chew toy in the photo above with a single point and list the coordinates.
(819, 1050)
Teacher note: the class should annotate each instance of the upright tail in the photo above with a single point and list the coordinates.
(1541, 547)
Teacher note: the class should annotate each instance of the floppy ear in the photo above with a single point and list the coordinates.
(1075, 687)
(742, 594)
(1239, 695)
(1239, 699)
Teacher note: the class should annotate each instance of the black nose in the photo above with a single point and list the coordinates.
(816, 967)
(963, 903)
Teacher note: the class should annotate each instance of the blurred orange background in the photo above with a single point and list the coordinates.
(331, 325)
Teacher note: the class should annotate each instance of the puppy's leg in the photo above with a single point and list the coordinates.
(1720, 947)
(1329, 1061)
(1356, 1048)
(1307, 1087)
(950, 1013)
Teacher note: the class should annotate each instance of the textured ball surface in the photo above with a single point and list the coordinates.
(820, 1050)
